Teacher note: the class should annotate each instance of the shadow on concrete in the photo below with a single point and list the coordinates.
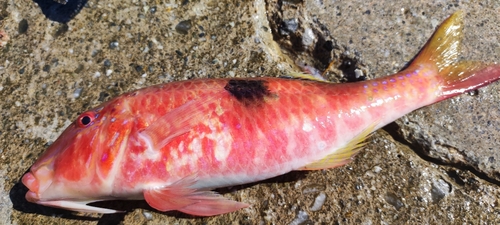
(58, 12)
(19, 202)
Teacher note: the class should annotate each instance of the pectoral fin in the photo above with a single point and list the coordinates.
(179, 196)
(343, 155)
(178, 121)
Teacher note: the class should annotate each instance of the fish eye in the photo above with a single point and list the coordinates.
(86, 119)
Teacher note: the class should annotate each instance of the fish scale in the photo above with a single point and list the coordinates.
(255, 135)
(172, 143)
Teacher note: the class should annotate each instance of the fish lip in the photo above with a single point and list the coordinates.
(37, 180)
(32, 197)
(30, 181)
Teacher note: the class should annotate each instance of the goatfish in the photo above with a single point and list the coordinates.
(172, 144)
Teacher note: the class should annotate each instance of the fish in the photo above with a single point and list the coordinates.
(172, 144)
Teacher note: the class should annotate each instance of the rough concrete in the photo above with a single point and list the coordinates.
(49, 72)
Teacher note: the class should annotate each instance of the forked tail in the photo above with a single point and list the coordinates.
(443, 49)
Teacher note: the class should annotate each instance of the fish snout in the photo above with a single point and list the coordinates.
(37, 182)
(32, 184)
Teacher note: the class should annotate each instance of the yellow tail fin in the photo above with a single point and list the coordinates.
(443, 49)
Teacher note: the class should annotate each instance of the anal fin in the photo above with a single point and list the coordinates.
(343, 155)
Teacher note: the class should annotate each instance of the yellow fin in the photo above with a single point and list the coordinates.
(306, 76)
(343, 155)
(443, 48)
(442, 51)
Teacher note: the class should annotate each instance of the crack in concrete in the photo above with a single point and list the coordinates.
(393, 130)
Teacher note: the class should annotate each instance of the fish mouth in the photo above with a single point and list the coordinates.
(33, 195)
(32, 184)
(37, 182)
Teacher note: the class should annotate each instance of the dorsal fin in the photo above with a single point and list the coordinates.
(306, 76)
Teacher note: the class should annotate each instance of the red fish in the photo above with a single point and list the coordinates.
(173, 143)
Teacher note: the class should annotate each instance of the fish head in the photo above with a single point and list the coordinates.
(78, 167)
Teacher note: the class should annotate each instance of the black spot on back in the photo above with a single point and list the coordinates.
(248, 91)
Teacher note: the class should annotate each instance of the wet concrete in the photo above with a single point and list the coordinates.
(443, 168)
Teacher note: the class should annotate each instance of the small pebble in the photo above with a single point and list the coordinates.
(318, 202)
(308, 37)
(147, 215)
(22, 26)
(183, 26)
(439, 190)
(289, 26)
(358, 73)
(113, 44)
(300, 218)
(394, 200)
(107, 63)
(77, 92)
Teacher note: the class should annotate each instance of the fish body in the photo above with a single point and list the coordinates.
(170, 144)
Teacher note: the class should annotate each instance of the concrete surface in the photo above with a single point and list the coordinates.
(438, 165)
